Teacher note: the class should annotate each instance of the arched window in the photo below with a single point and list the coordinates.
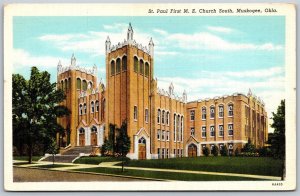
(146, 115)
(163, 117)
(147, 69)
(69, 83)
(141, 67)
(78, 85)
(66, 85)
(97, 106)
(221, 130)
(94, 129)
(212, 111)
(118, 67)
(221, 111)
(212, 131)
(135, 113)
(81, 130)
(84, 85)
(84, 107)
(90, 85)
(136, 62)
(80, 109)
(181, 129)
(168, 118)
(142, 140)
(230, 109)
(92, 107)
(158, 116)
(230, 129)
(112, 68)
(124, 63)
(203, 113)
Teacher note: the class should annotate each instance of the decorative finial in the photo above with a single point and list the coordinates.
(130, 33)
(151, 47)
(73, 60)
(249, 93)
(107, 45)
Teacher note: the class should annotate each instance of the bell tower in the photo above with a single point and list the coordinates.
(129, 73)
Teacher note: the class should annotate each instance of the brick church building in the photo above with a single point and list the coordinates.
(159, 123)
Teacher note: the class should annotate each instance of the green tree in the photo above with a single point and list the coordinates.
(215, 150)
(277, 140)
(224, 151)
(249, 147)
(35, 110)
(205, 151)
(123, 142)
(112, 138)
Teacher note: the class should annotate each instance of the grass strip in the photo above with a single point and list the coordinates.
(165, 175)
(97, 160)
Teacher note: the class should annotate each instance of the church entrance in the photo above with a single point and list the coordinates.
(142, 148)
(192, 150)
(94, 136)
(81, 137)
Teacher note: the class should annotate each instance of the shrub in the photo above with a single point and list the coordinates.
(224, 151)
(205, 151)
(249, 147)
(264, 152)
(215, 150)
(237, 152)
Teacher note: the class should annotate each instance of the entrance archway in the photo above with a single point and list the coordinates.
(142, 148)
(81, 137)
(94, 133)
(192, 150)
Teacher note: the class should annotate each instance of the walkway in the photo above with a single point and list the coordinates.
(113, 165)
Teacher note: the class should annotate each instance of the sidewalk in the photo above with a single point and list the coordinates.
(70, 166)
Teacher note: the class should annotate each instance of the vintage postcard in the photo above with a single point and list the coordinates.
(147, 97)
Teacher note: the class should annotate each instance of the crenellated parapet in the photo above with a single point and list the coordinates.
(130, 41)
(172, 95)
(73, 66)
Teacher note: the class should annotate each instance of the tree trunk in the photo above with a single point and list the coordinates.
(30, 153)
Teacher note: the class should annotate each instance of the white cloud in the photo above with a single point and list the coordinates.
(22, 58)
(116, 26)
(160, 31)
(204, 40)
(220, 29)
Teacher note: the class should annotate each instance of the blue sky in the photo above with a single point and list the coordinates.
(207, 56)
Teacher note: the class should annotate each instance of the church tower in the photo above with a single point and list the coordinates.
(129, 73)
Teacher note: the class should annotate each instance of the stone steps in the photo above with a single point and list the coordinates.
(61, 158)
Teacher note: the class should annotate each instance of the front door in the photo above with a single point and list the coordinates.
(142, 151)
(94, 139)
(192, 150)
(81, 140)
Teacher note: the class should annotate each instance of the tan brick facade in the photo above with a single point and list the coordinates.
(160, 124)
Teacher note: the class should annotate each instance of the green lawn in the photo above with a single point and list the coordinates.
(166, 175)
(97, 160)
(25, 158)
(53, 166)
(244, 165)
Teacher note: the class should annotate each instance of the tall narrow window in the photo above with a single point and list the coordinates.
(158, 153)
(69, 83)
(124, 63)
(84, 107)
(174, 127)
(162, 135)
(168, 118)
(212, 131)
(112, 68)
(84, 85)
(146, 115)
(212, 111)
(118, 66)
(78, 84)
(168, 136)
(203, 132)
(146, 69)
(158, 134)
(221, 111)
(192, 114)
(135, 112)
(221, 130)
(136, 64)
(181, 135)
(97, 106)
(230, 129)
(163, 117)
(203, 113)
(66, 85)
(230, 110)
(158, 116)
(92, 107)
(90, 85)
(80, 109)
(141, 67)
(193, 131)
